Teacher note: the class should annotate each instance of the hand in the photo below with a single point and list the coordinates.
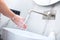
(19, 21)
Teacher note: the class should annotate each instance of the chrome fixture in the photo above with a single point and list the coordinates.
(49, 15)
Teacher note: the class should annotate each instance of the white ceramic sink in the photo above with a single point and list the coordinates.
(17, 34)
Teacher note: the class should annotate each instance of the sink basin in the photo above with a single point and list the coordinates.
(17, 34)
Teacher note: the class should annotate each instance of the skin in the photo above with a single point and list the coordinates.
(18, 20)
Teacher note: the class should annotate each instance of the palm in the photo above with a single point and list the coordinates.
(19, 21)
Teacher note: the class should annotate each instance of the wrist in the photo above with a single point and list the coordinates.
(13, 17)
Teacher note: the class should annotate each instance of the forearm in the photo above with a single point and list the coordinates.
(5, 10)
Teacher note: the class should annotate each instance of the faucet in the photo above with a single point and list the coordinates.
(50, 14)
(38, 12)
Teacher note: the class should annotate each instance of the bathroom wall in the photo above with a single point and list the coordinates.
(35, 23)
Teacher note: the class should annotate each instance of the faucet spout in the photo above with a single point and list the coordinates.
(38, 12)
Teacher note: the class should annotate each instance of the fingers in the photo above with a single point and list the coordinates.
(23, 25)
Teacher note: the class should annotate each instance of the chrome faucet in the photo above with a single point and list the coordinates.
(38, 12)
(49, 15)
